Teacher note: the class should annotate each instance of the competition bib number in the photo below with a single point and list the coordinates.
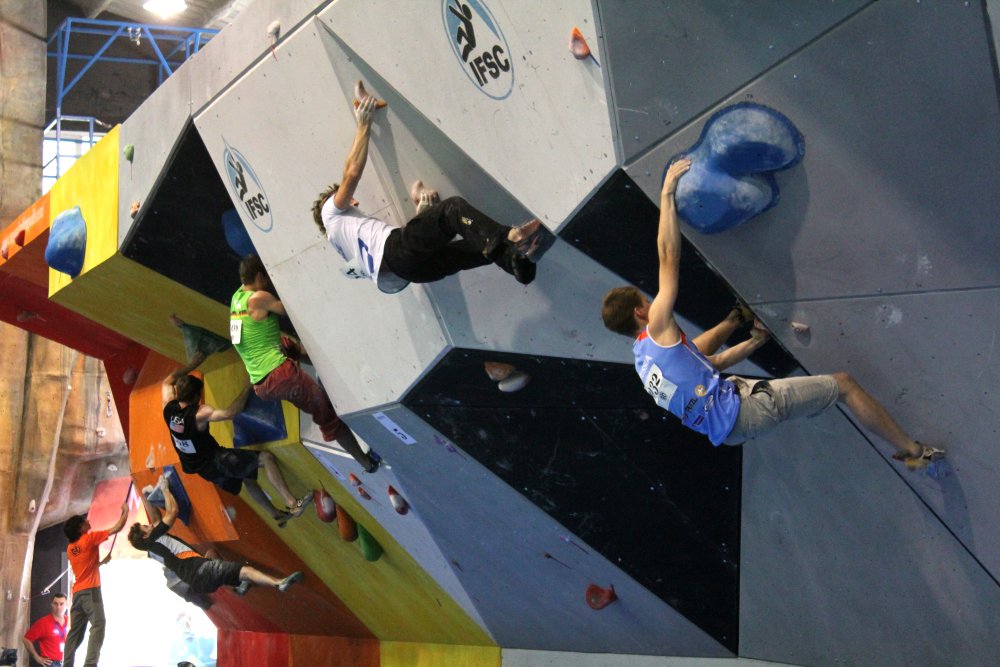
(184, 446)
(235, 331)
(660, 388)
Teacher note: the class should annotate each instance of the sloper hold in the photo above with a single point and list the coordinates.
(261, 421)
(236, 234)
(67, 242)
(731, 178)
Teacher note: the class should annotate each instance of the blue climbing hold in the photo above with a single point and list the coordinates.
(261, 421)
(236, 234)
(731, 178)
(177, 491)
(67, 242)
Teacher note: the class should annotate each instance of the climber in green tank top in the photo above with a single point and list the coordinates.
(255, 333)
(255, 341)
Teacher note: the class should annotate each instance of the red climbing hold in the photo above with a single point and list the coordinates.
(326, 509)
(599, 598)
(354, 480)
(578, 45)
(398, 502)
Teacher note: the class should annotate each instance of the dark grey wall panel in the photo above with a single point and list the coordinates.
(670, 60)
(932, 359)
(899, 190)
(525, 572)
(843, 565)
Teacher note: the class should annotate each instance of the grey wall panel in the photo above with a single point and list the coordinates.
(154, 130)
(495, 539)
(671, 60)
(899, 190)
(243, 42)
(931, 359)
(842, 564)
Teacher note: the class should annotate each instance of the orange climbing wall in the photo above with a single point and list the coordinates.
(148, 434)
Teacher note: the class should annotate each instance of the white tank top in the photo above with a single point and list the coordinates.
(360, 240)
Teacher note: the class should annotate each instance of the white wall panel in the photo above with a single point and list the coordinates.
(548, 141)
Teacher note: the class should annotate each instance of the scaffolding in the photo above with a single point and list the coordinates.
(182, 43)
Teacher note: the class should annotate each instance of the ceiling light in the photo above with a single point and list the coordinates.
(165, 8)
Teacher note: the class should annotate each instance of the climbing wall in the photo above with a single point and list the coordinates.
(810, 546)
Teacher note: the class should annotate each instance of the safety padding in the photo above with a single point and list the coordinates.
(731, 177)
(261, 421)
(67, 242)
(179, 492)
(91, 185)
(236, 234)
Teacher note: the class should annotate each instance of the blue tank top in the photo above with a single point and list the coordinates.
(681, 380)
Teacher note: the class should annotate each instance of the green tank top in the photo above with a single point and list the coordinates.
(259, 343)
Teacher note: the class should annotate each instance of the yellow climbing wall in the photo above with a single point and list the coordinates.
(92, 184)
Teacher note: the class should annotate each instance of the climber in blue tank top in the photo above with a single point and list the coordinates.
(682, 375)
(682, 380)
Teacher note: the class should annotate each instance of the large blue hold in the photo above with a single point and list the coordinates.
(261, 421)
(67, 242)
(236, 234)
(179, 493)
(731, 177)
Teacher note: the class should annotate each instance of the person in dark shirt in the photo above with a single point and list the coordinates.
(199, 452)
(202, 575)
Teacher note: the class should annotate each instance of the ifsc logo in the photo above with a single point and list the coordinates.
(479, 45)
(247, 188)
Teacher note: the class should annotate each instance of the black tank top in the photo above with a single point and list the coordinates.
(195, 448)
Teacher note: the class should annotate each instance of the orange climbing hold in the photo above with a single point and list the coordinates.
(348, 529)
(360, 93)
(578, 45)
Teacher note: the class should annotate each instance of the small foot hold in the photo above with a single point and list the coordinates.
(515, 382)
(176, 321)
(285, 583)
(360, 93)
(800, 328)
(398, 502)
(498, 370)
(578, 45)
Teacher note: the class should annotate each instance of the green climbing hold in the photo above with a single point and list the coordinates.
(129, 151)
(370, 549)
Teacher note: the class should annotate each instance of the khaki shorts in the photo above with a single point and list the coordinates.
(765, 404)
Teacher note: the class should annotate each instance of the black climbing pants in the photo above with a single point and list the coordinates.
(424, 251)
